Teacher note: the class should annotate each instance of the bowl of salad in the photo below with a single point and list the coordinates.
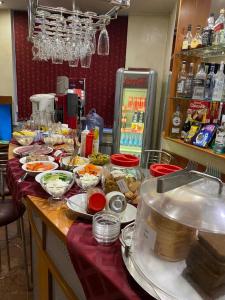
(56, 183)
(87, 176)
(35, 167)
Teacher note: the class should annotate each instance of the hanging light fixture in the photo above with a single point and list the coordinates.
(61, 35)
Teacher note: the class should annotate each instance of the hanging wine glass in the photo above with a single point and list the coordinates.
(103, 42)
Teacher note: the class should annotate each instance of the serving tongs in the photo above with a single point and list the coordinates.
(182, 177)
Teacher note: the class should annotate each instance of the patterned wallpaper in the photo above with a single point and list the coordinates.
(40, 77)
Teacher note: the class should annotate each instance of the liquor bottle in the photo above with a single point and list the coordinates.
(187, 125)
(209, 83)
(219, 29)
(199, 83)
(187, 39)
(182, 76)
(219, 84)
(219, 146)
(197, 39)
(176, 123)
(188, 85)
(207, 35)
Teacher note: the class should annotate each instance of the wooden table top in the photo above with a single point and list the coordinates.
(58, 217)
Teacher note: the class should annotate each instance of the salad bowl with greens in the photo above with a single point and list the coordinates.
(56, 183)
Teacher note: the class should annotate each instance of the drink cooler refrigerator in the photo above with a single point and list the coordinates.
(133, 113)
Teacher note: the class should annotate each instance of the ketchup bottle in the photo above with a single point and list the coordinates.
(89, 143)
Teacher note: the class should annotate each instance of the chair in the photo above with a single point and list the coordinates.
(10, 211)
(158, 156)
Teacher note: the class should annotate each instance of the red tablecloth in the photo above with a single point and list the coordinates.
(100, 268)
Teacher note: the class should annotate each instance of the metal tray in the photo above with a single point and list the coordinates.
(154, 287)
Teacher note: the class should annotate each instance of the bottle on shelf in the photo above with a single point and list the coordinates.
(182, 76)
(188, 85)
(219, 84)
(197, 39)
(219, 29)
(187, 39)
(199, 83)
(219, 146)
(209, 83)
(176, 123)
(187, 125)
(207, 35)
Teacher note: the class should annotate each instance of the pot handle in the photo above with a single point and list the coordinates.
(219, 181)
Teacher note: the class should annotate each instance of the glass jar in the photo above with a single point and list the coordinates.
(124, 175)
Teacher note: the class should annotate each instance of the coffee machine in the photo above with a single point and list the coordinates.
(69, 107)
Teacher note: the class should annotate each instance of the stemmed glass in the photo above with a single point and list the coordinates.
(103, 42)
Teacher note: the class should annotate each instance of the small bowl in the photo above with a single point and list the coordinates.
(65, 162)
(99, 159)
(51, 164)
(56, 183)
(86, 181)
(24, 140)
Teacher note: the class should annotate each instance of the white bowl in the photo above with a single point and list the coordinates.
(65, 162)
(24, 140)
(34, 173)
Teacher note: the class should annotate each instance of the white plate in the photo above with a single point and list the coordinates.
(27, 149)
(23, 159)
(38, 177)
(77, 203)
(34, 173)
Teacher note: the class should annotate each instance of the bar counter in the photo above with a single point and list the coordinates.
(54, 276)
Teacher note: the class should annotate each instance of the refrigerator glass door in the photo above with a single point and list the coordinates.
(132, 120)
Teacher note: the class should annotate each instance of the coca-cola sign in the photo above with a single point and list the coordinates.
(135, 81)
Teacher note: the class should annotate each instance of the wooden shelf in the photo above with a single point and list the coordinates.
(190, 99)
(203, 150)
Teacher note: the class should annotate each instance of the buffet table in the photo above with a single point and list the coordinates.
(67, 262)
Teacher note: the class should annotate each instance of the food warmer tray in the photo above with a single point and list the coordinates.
(158, 282)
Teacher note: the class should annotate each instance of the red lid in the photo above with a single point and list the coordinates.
(163, 169)
(96, 202)
(124, 160)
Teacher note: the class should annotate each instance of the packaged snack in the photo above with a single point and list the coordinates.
(192, 132)
(205, 135)
(200, 111)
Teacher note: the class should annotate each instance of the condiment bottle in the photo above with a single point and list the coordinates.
(96, 140)
(84, 134)
(89, 143)
(96, 200)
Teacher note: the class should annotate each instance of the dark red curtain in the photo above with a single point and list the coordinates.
(40, 77)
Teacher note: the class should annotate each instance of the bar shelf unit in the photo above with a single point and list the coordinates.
(203, 52)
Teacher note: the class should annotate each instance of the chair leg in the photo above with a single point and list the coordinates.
(31, 255)
(7, 247)
(25, 254)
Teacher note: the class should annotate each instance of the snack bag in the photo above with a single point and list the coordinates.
(192, 132)
(205, 135)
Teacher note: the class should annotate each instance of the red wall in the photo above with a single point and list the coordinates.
(40, 77)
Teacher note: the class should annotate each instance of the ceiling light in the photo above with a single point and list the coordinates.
(1, 2)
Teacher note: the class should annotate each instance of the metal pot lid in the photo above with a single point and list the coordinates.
(197, 204)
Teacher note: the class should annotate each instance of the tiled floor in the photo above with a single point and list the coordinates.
(13, 282)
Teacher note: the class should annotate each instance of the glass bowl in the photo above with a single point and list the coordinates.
(24, 140)
(56, 183)
(99, 159)
(85, 178)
